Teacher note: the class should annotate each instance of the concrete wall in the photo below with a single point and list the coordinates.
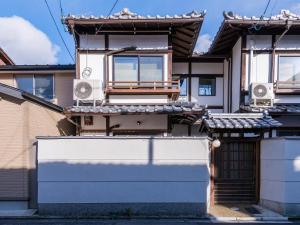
(138, 176)
(280, 175)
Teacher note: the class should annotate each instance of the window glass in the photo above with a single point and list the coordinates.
(126, 68)
(183, 86)
(25, 83)
(44, 86)
(289, 68)
(207, 86)
(151, 68)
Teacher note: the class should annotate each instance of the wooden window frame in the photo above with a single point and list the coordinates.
(138, 64)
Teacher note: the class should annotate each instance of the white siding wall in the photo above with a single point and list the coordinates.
(123, 170)
(236, 75)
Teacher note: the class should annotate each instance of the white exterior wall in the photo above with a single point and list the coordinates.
(138, 99)
(258, 67)
(139, 41)
(225, 91)
(280, 174)
(207, 68)
(123, 170)
(91, 41)
(129, 122)
(236, 75)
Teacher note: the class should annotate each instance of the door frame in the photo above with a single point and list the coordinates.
(257, 166)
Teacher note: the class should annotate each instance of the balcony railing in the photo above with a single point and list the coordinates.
(287, 86)
(171, 88)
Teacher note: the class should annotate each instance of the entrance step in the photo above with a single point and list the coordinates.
(242, 212)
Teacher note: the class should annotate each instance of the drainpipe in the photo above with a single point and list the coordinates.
(288, 26)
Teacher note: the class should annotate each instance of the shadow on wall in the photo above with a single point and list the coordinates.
(124, 181)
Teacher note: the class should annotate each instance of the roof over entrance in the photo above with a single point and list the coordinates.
(184, 29)
(235, 122)
(176, 108)
(234, 26)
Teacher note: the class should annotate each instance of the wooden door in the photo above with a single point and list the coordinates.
(236, 172)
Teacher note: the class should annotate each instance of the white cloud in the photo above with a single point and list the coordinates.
(203, 43)
(26, 44)
(296, 8)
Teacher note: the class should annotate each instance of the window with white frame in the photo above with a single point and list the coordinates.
(41, 85)
(289, 69)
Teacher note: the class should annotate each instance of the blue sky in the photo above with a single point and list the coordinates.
(27, 25)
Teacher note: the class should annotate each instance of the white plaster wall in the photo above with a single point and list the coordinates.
(259, 41)
(180, 68)
(207, 68)
(129, 122)
(139, 41)
(236, 75)
(123, 170)
(280, 170)
(260, 68)
(225, 91)
(289, 42)
(91, 41)
(95, 61)
(209, 100)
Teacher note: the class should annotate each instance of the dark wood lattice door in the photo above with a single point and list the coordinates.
(235, 175)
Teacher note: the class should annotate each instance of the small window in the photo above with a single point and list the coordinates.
(289, 68)
(88, 120)
(183, 86)
(207, 87)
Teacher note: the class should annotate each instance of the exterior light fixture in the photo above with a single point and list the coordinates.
(139, 123)
(216, 143)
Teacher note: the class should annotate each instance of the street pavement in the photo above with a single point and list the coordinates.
(124, 222)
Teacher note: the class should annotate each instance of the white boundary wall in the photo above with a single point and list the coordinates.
(280, 175)
(123, 170)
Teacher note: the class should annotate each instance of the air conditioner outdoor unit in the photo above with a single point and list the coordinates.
(262, 94)
(87, 90)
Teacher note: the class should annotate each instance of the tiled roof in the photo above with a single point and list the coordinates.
(278, 108)
(37, 67)
(284, 15)
(171, 108)
(126, 14)
(239, 121)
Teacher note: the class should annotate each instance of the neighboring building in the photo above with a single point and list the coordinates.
(53, 83)
(24, 116)
(4, 58)
(262, 50)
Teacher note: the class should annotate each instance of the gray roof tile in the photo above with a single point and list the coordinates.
(276, 109)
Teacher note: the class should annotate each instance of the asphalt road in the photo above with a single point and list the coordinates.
(120, 222)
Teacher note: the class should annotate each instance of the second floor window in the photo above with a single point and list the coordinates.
(39, 85)
(207, 87)
(138, 68)
(289, 68)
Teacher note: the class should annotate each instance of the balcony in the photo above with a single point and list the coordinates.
(170, 88)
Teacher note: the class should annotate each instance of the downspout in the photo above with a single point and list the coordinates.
(288, 26)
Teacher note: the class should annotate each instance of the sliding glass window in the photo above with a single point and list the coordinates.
(138, 68)
(39, 85)
(125, 68)
(289, 68)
